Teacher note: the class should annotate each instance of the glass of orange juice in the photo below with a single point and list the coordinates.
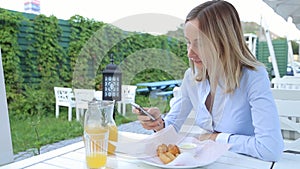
(96, 149)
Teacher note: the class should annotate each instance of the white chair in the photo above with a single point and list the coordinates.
(288, 102)
(251, 40)
(98, 95)
(82, 97)
(127, 96)
(64, 97)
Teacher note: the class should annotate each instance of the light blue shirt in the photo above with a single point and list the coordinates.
(246, 118)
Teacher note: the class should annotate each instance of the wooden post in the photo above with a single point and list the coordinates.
(6, 150)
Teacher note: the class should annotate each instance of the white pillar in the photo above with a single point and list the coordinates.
(6, 150)
(270, 46)
(272, 53)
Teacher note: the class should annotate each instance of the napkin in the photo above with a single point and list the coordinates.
(207, 152)
(147, 146)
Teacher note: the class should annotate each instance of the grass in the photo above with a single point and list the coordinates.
(33, 132)
(36, 131)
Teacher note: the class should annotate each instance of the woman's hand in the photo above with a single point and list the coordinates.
(146, 121)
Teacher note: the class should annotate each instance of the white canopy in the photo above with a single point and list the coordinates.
(286, 8)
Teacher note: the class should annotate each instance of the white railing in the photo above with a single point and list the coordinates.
(288, 104)
(286, 82)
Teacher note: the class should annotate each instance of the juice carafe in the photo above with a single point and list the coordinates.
(113, 131)
(96, 134)
(113, 136)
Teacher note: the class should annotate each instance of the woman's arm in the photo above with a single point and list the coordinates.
(267, 142)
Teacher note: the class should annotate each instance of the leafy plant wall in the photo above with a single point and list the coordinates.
(41, 52)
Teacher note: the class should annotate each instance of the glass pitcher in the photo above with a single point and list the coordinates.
(96, 135)
(112, 127)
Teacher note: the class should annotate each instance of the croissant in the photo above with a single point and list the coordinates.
(168, 153)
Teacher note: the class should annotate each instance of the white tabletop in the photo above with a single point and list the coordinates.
(73, 157)
(288, 160)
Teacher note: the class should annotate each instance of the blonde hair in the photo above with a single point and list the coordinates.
(222, 43)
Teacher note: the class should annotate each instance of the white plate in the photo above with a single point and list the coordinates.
(149, 162)
(155, 161)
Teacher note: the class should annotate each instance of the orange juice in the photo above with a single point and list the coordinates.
(113, 136)
(93, 137)
(96, 160)
(95, 130)
(95, 140)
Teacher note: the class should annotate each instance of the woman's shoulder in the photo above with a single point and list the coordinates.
(255, 78)
(257, 72)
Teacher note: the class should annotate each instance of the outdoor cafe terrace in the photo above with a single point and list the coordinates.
(73, 155)
(285, 90)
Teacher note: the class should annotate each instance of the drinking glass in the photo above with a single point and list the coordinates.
(96, 143)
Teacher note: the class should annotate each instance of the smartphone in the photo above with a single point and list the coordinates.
(142, 110)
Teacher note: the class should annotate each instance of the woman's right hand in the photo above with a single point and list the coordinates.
(146, 121)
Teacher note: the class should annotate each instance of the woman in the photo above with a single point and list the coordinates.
(226, 86)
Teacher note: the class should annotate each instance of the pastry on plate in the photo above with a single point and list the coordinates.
(168, 153)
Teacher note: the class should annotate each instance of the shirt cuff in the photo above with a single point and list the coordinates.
(223, 137)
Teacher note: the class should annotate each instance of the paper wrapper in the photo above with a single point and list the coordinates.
(145, 148)
(207, 152)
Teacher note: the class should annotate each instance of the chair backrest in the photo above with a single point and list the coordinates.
(288, 104)
(98, 95)
(83, 96)
(128, 93)
(63, 96)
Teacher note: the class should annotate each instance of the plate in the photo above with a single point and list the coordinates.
(150, 162)
(205, 154)
(155, 161)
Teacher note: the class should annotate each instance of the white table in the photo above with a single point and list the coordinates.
(73, 157)
(288, 160)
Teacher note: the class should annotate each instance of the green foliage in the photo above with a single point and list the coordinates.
(119, 119)
(41, 52)
(10, 49)
(33, 102)
(81, 31)
(51, 60)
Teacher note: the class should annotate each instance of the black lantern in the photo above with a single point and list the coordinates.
(112, 82)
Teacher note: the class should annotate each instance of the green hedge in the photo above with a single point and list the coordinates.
(41, 52)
